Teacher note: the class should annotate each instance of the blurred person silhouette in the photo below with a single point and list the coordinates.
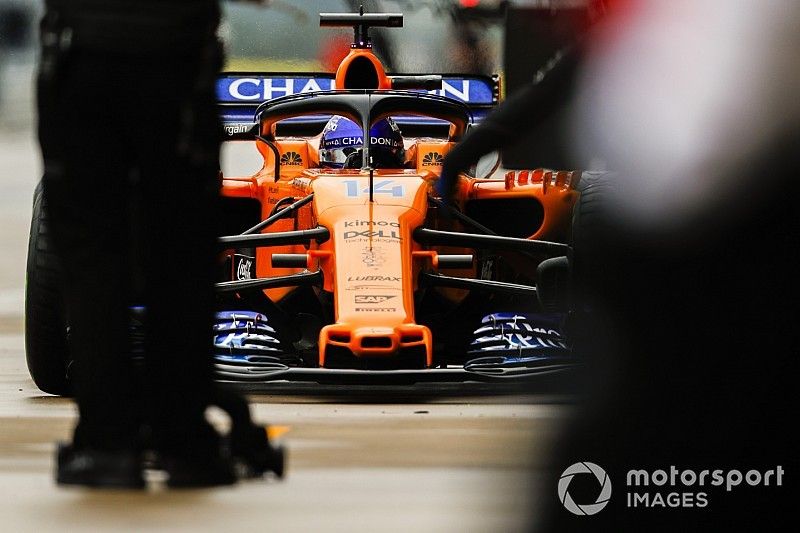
(689, 273)
(130, 141)
(526, 118)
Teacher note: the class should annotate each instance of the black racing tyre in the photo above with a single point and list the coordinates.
(592, 221)
(590, 216)
(46, 349)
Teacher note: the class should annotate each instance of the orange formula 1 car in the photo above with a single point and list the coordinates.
(338, 253)
(339, 262)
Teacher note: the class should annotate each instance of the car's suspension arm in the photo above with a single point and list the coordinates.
(497, 242)
(279, 215)
(280, 238)
(292, 280)
(438, 280)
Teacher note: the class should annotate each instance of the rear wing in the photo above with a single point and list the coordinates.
(240, 93)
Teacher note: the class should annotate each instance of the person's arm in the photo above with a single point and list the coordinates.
(519, 114)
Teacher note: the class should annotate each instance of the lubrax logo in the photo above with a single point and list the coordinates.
(379, 234)
(371, 299)
(373, 278)
(432, 159)
(291, 159)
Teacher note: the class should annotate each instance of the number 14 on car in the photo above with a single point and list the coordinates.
(353, 190)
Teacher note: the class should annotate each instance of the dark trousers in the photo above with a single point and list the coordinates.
(131, 148)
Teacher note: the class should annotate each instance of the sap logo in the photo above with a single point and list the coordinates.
(432, 159)
(357, 223)
(291, 159)
(367, 299)
(380, 234)
(269, 88)
(373, 278)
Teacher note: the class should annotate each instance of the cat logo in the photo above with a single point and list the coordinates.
(432, 159)
(291, 159)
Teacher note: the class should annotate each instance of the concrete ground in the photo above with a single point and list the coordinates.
(455, 464)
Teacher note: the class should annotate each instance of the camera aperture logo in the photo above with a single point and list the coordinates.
(586, 508)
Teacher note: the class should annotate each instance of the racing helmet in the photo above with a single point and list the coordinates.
(342, 142)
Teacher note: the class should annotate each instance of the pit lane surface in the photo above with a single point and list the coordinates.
(374, 464)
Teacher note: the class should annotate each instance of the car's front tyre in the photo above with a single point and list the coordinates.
(46, 349)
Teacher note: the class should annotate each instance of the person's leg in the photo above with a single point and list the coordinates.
(84, 183)
(177, 138)
(84, 186)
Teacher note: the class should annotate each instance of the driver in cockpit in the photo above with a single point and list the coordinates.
(341, 144)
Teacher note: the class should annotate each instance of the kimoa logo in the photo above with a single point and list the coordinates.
(432, 159)
(357, 223)
(291, 159)
(603, 498)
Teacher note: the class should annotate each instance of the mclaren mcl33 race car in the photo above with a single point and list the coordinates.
(339, 260)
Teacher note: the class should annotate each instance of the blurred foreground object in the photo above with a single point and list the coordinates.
(544, 48)
(15, 34)
(691, 285)
(127, 126)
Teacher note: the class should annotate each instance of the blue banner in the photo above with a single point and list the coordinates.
(255, 89)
